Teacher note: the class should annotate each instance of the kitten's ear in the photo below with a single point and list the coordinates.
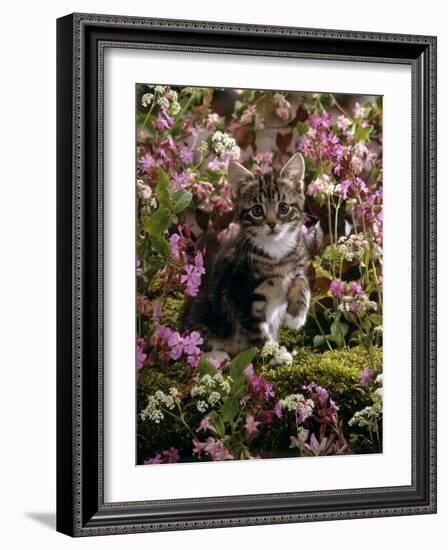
(239, 177)
(294, 171)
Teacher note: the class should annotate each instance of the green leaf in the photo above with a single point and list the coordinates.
(337, 328)
(376, 319)
(160, 245)
(319, 340)
(181, 200)
(163, 194)
(230, 409)
(239, 388)
(327, 100)
(218, 423)
(302, 128)
(241, 361)
(158, 222)
(362, 134)
(154, 265)
(205, 367)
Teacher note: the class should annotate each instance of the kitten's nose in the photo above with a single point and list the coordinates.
(272, 225)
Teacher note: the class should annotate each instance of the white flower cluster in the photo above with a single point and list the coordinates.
(357, 304)
(147, 99)
(223, 142)
(145, 194)
(294, 401)
(163, 102)
(166, 98)
(323, 186)
(210, 389)
(203, 147)
(277, 354)
(154, 408)
(370, 414)
(353, 247)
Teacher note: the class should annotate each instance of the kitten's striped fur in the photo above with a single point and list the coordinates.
(258, 280)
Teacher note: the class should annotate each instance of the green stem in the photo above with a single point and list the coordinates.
(336, 220)
(181, 419)
(148, 114)
(181, 112)
(329, 220)
(322, 331)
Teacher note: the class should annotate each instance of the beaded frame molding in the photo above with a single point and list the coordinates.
(81, 40)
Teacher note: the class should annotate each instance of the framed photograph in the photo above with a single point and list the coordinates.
(246, 274)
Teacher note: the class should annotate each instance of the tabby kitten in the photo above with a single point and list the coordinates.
(257, 280)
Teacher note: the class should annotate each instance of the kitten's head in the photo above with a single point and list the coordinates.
(269, 207)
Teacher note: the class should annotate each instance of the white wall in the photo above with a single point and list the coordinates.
(27, 245)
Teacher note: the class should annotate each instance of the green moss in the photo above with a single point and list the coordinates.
(172, 309)
(338, 371)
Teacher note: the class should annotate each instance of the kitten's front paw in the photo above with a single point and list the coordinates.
(218, 356)
(283, 357)
(295, 322)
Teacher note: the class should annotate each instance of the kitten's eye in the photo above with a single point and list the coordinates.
(283, 208)
(257, 211)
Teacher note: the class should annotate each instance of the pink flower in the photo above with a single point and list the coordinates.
(191, 343)
(156, 460)
(202, 189)
(359, 111)
(141, 303)
(248, 114)
(355, 289)
(193, 275)
(315, 447)
(205, 424)
(164, 121)
(212, 121)
(139, 269)
(366, 377)
(175, 241)
(303, 412)
(339, 448)
(343, 188)
(156, 311)
(175, 342)
(249, 370)
(260, 387)
(180, 180)
(342, 122)
(251, 425)
(278, 410)
(170, 456)
(336, 288)
(188, 129)
(198, 447)
(146, 162)
(170, 144)
(186, 154)
(213, 447)
(283, 109)
(140, 355)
